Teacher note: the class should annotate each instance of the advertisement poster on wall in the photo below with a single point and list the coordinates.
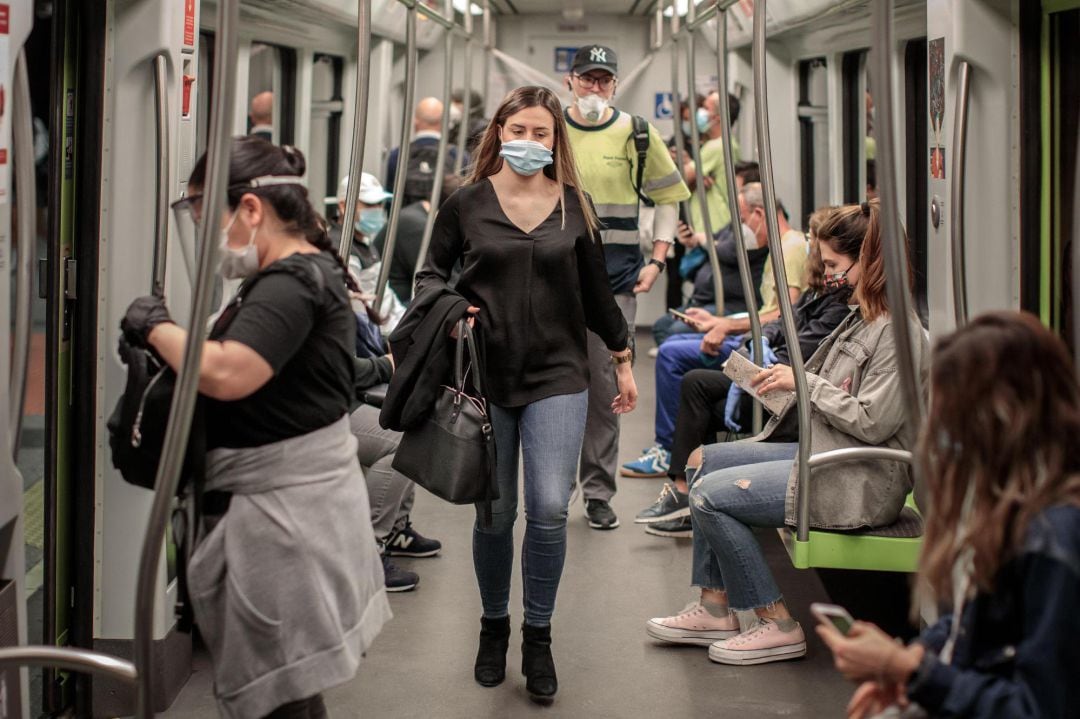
(936, 66)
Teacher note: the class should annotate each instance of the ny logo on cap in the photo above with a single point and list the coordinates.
(598, 54)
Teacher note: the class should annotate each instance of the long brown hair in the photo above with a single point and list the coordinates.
(563, 168)
(855, 231)
(1003, 425)
(815, 268)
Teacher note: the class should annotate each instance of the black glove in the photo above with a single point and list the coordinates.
(143, 315)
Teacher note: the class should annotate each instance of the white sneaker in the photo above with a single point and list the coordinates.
(763, 642)
(693, 625)
(654, 352)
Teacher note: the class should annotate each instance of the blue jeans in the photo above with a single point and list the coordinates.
(739, 485)
(680, 354)
(549, 432)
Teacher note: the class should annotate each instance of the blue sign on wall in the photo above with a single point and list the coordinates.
(564, 58)
(662, 106)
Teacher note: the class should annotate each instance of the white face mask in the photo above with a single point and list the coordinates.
(455, 114)
(592, 107)
(236, 264)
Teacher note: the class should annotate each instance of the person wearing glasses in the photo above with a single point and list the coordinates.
(602, 138)
(285, 578)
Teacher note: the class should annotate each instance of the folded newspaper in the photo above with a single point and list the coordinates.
(741, 370)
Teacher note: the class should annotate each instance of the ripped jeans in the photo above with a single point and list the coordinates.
(740, 485)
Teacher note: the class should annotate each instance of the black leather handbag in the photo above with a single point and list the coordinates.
(452, 453)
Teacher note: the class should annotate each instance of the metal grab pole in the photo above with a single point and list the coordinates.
(894, 243)
(187, 381)
(956, 195)
(440, 160)
(699, 185)
(360, 115)
(466, 97)
(676, 102)
(489, 44)
(26, 241)
(403, 155)
(164, 163)
(69, 659)
(776, 256)
(742, 251)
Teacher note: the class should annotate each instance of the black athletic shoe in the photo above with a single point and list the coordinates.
(672, 504)
(600, 514)
(398, 579)
(410, 543)
(676, 528)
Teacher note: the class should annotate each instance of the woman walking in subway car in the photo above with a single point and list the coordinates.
(533, 273)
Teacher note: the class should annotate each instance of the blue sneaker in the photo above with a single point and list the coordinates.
(654, 463)
(408, 542)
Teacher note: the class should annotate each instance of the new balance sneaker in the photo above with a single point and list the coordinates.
(398, 579)
(693, 625)
(671, 504)
(673, 528)
(655, 462)
(408, 542)
(767, 640)
(600, 514)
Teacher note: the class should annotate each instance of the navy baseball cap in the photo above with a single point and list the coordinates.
(595, 57)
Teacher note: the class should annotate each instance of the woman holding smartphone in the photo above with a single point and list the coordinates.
(533, 272)
(1002, 541)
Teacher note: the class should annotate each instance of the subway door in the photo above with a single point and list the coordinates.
(138, 158)
(16, 19)
(981, 34)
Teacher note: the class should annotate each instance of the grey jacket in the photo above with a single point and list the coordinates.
(287, 586)
(855, 399)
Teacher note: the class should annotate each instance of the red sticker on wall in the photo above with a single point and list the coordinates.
(189, 23)
(5, 12)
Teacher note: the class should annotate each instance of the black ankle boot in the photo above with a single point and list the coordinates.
(490, 669)
(537, 664)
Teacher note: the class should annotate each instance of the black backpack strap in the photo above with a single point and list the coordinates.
(640, 136)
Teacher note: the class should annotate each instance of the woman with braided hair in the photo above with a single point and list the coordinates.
(286, 583)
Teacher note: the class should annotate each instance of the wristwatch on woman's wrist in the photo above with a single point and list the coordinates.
(658, 264)
(622, 358)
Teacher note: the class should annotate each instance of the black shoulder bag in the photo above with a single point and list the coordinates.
(452, 454)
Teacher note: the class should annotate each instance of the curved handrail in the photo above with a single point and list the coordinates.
(161, 208)
(956, 195)
(360, 116)
(68, 659)
(403, 154)
(897, 279)
(854, 454)
(26, 197)
(776, 256)
(676, 102)
(187, 382)
(699, 185)
(745, 274)
(444, 142)
(466, 98)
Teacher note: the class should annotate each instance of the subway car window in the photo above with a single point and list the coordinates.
(271, 96)
(325, 150)
(814, 134)
(915, 142)
(203, 88)
(859, 145)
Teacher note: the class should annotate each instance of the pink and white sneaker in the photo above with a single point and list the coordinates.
(763, 642)
(693, 625)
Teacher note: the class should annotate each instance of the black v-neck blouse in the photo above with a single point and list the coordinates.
(538, 292)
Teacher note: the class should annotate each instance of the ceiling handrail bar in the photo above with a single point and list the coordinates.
(360, 118)
(403, 155)
(776, 257)
(742, 251)
(699, 185)
(187, 383)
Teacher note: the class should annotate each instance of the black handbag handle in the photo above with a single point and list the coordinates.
(465, 335)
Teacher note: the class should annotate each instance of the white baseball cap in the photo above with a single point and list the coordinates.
(371, 190)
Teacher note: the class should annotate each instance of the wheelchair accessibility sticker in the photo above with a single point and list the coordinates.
(662, 107)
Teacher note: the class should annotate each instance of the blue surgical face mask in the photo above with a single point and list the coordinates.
(703, 121)
(526, 157)
(370, 221)
(686, 128)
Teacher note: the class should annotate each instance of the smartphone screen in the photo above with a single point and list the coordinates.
(842, 624)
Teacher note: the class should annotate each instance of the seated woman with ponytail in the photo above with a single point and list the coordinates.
(855, 399)
(285, 579)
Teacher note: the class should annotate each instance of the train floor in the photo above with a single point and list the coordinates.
(421, 663)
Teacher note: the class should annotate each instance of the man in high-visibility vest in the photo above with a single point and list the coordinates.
(607, 154)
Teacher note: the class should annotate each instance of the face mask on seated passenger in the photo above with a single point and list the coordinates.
(592, 107)
(525, 156)
(370, 222)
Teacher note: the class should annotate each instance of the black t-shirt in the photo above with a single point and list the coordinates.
(726, 253)
(295, 313)
(538, 292)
